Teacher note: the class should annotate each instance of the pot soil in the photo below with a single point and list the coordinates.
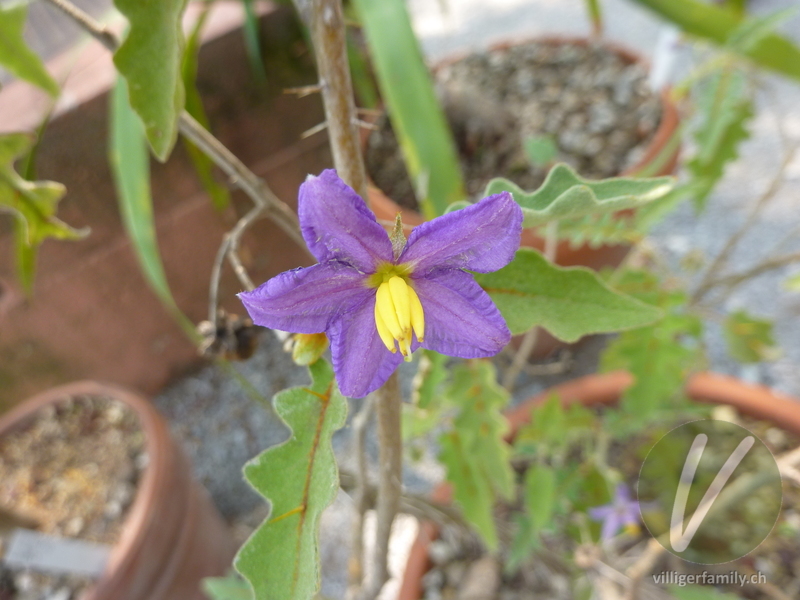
(95, 462)
(437, 569)
(591, 99)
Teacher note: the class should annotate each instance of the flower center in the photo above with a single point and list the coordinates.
(398, 313)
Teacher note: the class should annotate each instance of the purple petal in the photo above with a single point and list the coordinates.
(600, 513)
(460, 318)
(337, 225)
(360, 360)
(622, 495)
(482, 237)
(306, 300)
(611, 525)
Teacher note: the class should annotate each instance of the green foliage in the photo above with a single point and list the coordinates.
(417, 119)
(553, 428)
(725, 108)
(15, 55)
(230, 587)
(130, 168)
(431, 375)
(699, 592)
(300, 479)
(220, 197)
(752, 31)
(793, 283)
(750, 339)
(33, 203)
(150, 61)
(564, 194)
(717, 24)
(568, 302)
(540, 494)
(540, 150)
(474, 451)
(252, 43)
(659, 356)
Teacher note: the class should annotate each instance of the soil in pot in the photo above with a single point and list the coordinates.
(591, 101)
(461, 569)
(73, 472)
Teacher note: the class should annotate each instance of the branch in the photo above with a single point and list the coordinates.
(390, 472)
(328, 36)
(360, 483)
(708, 282)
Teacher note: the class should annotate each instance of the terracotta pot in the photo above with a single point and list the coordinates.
(173, 535)
(566, 255)
(754, 401)
(92, 314)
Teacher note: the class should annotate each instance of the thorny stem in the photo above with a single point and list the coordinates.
(327, 28)
(360, 483)
(328, 36)
(262, 196)
(390, 457)
(530, 338)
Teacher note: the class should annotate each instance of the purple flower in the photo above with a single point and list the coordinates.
(379, 298)
(621, 513)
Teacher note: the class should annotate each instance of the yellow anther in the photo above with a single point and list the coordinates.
(398, 315)
(417, 316)
(386, 336)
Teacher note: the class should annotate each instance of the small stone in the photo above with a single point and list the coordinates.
(113, 510)
(142, 461)
(24, 581)
(74, 526)
(433, 579)
(776, 437)
(60, 594)
(481, 581)
(441, 552)
(454, 572)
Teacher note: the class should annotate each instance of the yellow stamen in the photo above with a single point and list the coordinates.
(398, 315)
(383, 331)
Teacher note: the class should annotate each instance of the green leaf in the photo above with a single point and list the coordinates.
(475, 452)
(33, 203)
(405, 83)
(431, 374)
(540, 150)
(750, 339)
(565, 194)
(717, 24)
(569, 302)
(15, 55)
(752, 31)
(130, 168)
(726, 108)
(252, 43)
(220, 197)
(300, 479)
(231, 587)
(660, 356)
(699, 592)
(540, 494)
(150, 61)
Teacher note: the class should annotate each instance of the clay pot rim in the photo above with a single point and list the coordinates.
(156, 435)
(756, 401)
(670, 116)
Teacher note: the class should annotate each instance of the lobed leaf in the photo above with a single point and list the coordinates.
(33, 203)
(564, 194)
(726, 108)
(752, 31)
(659, 356)
(422, 130)
(475, 452)
(750, 339)
(300, 479)
(15, 55)
(569, 302)
(150, 61)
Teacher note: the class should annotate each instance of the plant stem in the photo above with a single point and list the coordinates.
(328, 37)
(360, 422)
(390, 463)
